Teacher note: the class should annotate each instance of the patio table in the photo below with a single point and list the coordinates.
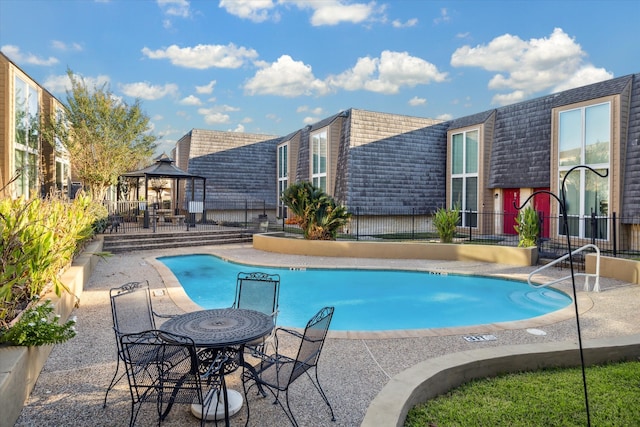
(219, 330)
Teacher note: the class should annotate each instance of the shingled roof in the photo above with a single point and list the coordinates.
(523, 134)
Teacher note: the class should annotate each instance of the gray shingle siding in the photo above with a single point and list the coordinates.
(406, 170)
(521, 154)
(631, 183)
(522, 143)
(238, 166)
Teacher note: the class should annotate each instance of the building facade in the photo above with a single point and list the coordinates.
(489, 162)
(30, 165)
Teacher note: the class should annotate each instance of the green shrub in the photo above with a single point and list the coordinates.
(38, 326)
(38, 240)
(317, 213)
(528, 227)
(446, 221)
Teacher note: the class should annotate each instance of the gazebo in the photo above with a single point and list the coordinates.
(164, 168)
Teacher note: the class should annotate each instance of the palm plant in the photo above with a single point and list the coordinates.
(317, 213)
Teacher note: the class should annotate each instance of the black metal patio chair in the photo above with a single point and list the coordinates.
(163, 368)
(277, 372)
(260, 292)
(131, 311)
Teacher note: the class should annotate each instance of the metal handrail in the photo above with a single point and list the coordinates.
(596, 285)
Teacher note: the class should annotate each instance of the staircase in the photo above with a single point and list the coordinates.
(118, 243)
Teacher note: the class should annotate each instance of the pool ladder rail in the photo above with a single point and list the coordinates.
(596, 285)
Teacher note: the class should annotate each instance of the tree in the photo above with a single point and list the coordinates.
(316, 212)
(105, 137)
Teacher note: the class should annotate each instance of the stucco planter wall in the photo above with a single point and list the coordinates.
(20, 366)
(276, 242)
(437, 376)
(626, 270)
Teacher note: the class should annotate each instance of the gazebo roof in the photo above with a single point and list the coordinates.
(162, 168)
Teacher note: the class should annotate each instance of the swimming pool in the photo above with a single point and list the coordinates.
(372, 300)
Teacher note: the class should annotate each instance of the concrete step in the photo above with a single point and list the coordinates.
(138, 242)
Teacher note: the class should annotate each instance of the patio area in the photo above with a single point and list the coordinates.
(353, 367)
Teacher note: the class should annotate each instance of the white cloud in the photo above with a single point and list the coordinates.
(212, 116)
(191, 100)
(409, 23)
(584, 76)
(59, 45)
(239, 128)
(206, 89)
(444, 16)
(388, 74)
(179, 8)
(253, 10)
(147, 91)
(415, 101)
(335, 12)
(14, 53)
(527, 67)
(445, 117)
(325, 12)
(203, 56)
(61, 83)
(285, 77)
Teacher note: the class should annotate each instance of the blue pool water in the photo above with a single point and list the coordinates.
(372, 300)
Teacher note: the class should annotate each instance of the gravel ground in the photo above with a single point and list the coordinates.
(353, 367)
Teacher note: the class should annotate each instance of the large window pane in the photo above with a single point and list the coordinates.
(323, 155)
(472, 152)
(456, 193)
(570, 138)
(572, 192)
(20, 112)
(471, 194)
(33, 117)
(457, 154)
(597, 134)
(596, 194)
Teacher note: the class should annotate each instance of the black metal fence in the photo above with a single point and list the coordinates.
(210, 215)
(614, 235)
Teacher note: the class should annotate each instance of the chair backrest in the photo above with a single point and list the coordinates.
(131, 308)
(258, 291)
(312, 342)
(161, 363)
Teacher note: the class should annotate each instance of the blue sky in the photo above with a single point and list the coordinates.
(274, 66)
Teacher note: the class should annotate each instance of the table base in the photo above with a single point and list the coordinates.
(235, 403)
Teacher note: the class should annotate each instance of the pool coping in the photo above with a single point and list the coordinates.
(182, 300)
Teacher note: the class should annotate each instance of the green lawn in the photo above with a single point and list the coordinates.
(553, 397)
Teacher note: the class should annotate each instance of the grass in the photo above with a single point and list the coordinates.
(553, 397)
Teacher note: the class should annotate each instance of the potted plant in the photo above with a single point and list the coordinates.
(528, 227)
(446, 221)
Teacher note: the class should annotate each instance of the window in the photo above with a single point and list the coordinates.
(283, 177)
(464, 176)
(584, 139)
(319, 160)
(26, 146)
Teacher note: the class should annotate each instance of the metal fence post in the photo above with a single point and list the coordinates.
(413, 223)
(357, 223)
(615, 233)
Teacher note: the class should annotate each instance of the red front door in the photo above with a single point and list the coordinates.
(510, 201)
(541, 205)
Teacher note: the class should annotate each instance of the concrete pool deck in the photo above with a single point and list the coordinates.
(354, 367)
